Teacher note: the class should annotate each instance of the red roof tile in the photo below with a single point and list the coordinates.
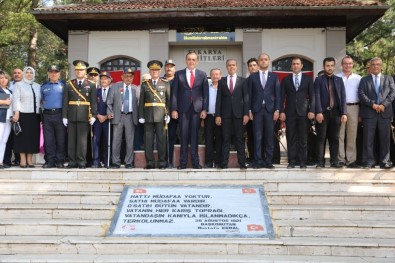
(183, 4)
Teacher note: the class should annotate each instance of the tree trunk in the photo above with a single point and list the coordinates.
(31, 58)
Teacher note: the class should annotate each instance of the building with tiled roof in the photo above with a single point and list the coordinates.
(140, 30)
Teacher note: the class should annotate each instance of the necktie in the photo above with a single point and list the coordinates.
(377, 86)
(263, 80)
(126, 101)
(192, 79)
(231, 85)
(104, 96)
(154, 82)
(296, 82)
(79, 84)
(330, 90)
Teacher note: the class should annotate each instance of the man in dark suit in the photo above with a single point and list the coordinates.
(231, 112)
(330, 101)
(299, 102)
(376, 93)
(100, 127)
(79, 107)
(189, 103)
(265, 97)
(153, 112)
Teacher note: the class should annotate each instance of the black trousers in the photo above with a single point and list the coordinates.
(54, 136)
(213, 138)
(234, 125)
(77, 142)
(328, 129)
(297, 129)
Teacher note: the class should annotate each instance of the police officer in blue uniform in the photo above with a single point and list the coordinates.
(54, 131)
(101, 125)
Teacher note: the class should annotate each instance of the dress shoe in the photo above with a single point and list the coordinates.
(197, 166)
(303, 166)
(342, 163)
(291, 166)
(15, 163)
(387, 165)
(96, 166)
(170, 166)
(82, 166)
(6, 166)
(71, 166)
(243, 166)
(320, 165)
(60, 165)
(1, 166)
(224, 166)
(128, 166)
(368, 166)
(259, 165)
(22, 166)
(31, 166)
(115, 166)
(181, 167)
(353, 165)
(208, 165)
(48, 165)
(162, 166)
(336, 165)
(269, 166)
(149, 166)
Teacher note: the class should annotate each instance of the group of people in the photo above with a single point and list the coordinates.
(232, 109)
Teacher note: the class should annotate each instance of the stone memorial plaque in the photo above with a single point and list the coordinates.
(193, 211)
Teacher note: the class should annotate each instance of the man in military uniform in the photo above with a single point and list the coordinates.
(93, 75)
(54, 131)
(79, 105)
(153, 112)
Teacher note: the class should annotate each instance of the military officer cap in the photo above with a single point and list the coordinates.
(105, 74)
(154, 64)
(128, 70)
(80, 64)
(170, 61)
(53, 68)
(93, 71)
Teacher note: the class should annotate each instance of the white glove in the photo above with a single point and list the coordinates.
(92, 121)
(167, 119)
(65, 122)
(142, 121)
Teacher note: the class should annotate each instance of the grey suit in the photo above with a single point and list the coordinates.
(122, 121)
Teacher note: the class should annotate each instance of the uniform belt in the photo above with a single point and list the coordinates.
(52, 111)
(351, 104)
(78, 103)
(154, 104)
(126, 113)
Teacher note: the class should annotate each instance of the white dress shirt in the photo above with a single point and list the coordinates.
(351, 83)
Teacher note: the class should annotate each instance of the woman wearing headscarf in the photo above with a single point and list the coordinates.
(5, 113)
(26, 104)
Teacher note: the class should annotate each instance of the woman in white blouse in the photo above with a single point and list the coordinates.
(5, 113)
(26, 104)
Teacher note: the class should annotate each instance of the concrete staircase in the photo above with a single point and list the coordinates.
(327, 215)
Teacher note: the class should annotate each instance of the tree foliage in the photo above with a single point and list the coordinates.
(376, 41)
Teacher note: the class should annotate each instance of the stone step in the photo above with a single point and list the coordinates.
(331, 198)
(335, 228)
(185, 258)
(326, 212)
(357, 247)
(280, 173)
(368, 186)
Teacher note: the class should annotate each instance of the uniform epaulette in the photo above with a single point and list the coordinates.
(91, 81)
(164, 80)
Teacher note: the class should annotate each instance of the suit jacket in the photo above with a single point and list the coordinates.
(322, 94)
(101, 105)
(115, 100)
(232, 105)
(271, 93)
(154, 113)
(183, 96)
(297, 103)
(367, 96)
(79, 113)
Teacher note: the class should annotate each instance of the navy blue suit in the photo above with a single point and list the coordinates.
(330, 126)
(100, 131)
(264, 101)
(189, 102)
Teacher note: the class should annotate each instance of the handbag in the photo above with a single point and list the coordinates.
(16, 128)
